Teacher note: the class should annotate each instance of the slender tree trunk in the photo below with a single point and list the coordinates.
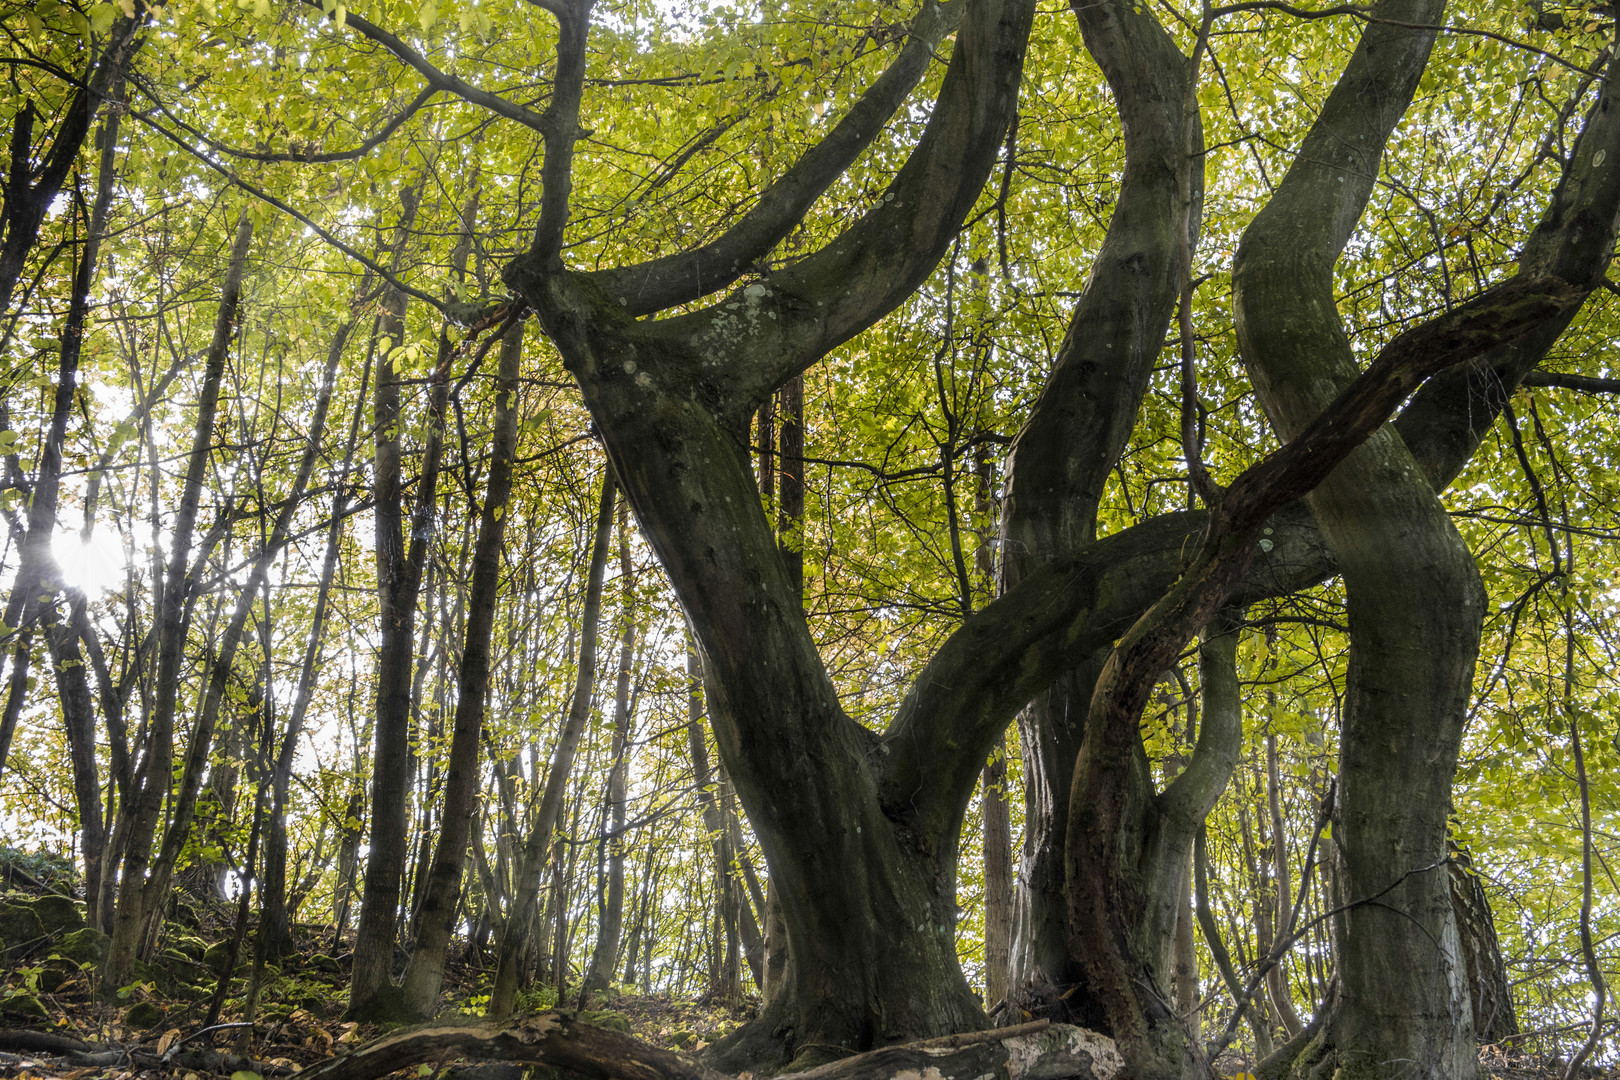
(538, 847)
(79, 719)
(1281, 882)
(724, 982)
(152, 783)
(399, 580)
(1214, 942)
(610, 924)
(214, 697)
(38, 575)
(641, 904)
(274, 936)
(435, 916)
(248, 875)
(998, 883)
(63, 640)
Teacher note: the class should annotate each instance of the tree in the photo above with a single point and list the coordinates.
(836, 266)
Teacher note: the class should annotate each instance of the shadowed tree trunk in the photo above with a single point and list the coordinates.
(1415, 601)
(1062, 458)
(998, 881)
(401, 560)
(436, 915)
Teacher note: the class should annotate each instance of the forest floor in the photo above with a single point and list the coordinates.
(53, 1026)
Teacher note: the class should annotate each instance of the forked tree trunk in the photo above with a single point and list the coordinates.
(1129, 852)
(861, 844)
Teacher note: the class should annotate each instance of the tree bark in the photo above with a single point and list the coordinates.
(1415, 601)
(610, 921)
(399, 581)
(1061, 460)
(152, 782)
(724, 984)
(1129, 851)
(435, 916)
(998, 882)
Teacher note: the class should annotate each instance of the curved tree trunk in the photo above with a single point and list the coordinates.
(1128, 860)
(1416, 605)
(1061, 460)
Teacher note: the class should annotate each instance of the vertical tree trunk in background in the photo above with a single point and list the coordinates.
(1282, 886)
(351, 829)
(724, 982)
(1489, 990)
(998, 883)
(1217, 946)
(79, 719)
(641, 903)
(73, 686)
(275, 938)
(537, 848)
(152, 783)
(399, 580)
(435, 917)
(610, 923)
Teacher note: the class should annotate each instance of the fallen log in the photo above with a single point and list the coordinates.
(100, 1055)
(1035, 1051)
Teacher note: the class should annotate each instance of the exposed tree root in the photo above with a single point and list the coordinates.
(1036, 1051)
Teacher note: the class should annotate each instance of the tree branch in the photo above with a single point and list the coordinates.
(685, 276)
(435, 78)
